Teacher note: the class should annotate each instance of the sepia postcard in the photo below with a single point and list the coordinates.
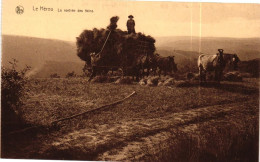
(110, 80)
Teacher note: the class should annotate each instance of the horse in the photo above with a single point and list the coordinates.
(135, 67)
(216, 63)
(96, 61)
(165, 64)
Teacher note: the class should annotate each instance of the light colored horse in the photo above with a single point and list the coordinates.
(216, 63)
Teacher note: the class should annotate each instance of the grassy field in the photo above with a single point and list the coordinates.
(195, 123)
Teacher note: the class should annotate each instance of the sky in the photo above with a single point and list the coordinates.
(151, 18)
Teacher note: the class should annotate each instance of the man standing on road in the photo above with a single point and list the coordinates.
(130, 24)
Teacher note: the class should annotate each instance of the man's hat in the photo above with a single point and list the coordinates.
(130, 16)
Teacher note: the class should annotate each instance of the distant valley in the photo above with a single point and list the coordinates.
(47, 56)
(245, 48)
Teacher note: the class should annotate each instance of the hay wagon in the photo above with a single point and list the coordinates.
(130, 56)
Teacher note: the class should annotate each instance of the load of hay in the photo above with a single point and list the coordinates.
(233, 76)
(120, 47)
(167, 82)
(156, 81)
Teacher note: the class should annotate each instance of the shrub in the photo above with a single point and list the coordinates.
(71, 74)
(13, 91)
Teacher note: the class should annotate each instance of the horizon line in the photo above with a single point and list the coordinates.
(150, 35)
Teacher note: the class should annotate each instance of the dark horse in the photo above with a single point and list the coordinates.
(101, 65)
(134, 66)
(163, 64)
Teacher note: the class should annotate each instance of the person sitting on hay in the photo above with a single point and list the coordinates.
(130, 24)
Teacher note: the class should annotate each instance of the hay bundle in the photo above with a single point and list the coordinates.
(104, 79)
(246, 75)
(113, 21)
(160, 83)
(119, 46)
(153, 81)
(126, 80)
(192, 76)
(233, 76)
(183, 83)
(99, 79)
(143, 82)
(111, 79)
(169, 82)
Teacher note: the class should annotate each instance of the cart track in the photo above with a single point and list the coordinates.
(125, 140)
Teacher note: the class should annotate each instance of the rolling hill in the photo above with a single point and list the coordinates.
(245, 48)
(45, 56)
(48, 56)
(186, 51)
(186, 60)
